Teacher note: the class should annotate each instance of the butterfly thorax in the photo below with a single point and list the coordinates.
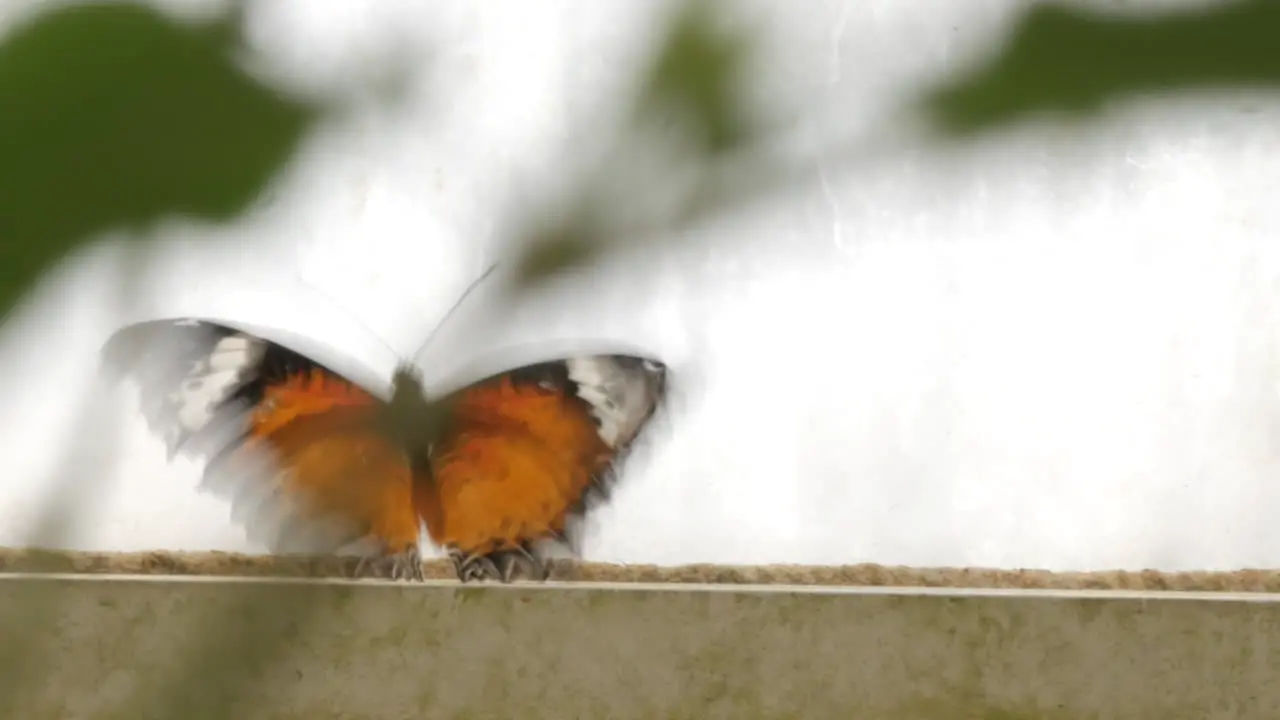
(411, 418)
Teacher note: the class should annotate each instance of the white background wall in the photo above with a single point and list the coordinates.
(1054, 349)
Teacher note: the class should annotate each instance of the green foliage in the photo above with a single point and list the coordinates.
(560, 247)
(113, 116)
(697, 75)
(692, 87)
(1076, 61)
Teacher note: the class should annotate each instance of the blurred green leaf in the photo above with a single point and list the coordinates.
(112, 116)
(564, 246)
(697, 74)
(692, 82)
(1075, 61)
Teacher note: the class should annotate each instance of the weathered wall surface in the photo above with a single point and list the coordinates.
(80, 646)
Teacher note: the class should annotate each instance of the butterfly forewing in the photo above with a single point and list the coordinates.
(289, 443)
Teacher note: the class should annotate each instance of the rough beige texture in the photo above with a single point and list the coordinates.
(231, 564)
(117, 647)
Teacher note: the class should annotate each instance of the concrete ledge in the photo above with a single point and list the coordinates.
(127, 646)
(235, 564)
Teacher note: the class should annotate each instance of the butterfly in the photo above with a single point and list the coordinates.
(315, 462)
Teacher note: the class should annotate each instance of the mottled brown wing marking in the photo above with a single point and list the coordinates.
(338, 471)
(514, 461)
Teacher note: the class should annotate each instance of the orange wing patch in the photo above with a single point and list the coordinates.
(337, 479)
(515, 459)
(304, 394)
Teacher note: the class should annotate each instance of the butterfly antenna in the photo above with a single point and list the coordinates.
(458, 303)
(431, 336)
(346, 310)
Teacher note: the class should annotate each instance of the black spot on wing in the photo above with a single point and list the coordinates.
(551, 376)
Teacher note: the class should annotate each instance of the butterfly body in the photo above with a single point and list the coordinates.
(314, 462)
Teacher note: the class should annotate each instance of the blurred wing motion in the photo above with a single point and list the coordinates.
(300, 453)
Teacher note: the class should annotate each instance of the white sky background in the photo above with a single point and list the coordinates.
(1055, 349)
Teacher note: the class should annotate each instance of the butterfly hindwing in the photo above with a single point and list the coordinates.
(332, 478)
(525, 452)
(291, 444)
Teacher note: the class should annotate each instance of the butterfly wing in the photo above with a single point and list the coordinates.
(525, 452)
(290, 443)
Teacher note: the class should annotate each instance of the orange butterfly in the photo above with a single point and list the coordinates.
(308, 464)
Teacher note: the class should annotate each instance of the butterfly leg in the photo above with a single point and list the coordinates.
(403, 565)
(476, 567)
(523, 559)
(499, 565)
